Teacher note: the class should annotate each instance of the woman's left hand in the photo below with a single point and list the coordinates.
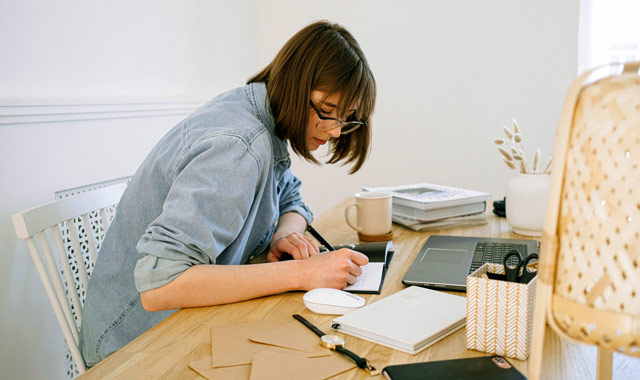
(295, 245)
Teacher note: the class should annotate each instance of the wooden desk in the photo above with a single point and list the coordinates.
(165, 351)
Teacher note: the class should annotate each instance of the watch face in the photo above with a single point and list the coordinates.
(332, 340)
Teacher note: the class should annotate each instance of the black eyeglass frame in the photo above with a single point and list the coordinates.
(345, 126)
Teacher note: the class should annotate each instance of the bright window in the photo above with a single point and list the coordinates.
(609, 32)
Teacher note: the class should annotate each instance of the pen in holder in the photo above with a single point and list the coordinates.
(499, 313)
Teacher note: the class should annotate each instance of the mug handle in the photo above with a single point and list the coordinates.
(346, 216)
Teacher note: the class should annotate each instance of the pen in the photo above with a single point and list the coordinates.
(319, 237)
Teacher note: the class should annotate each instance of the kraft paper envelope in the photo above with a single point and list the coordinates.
(293, 335)
(273, 365)
(269, 365)
(231, 344)
(203, 367)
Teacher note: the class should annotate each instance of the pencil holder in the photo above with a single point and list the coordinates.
(499, 313)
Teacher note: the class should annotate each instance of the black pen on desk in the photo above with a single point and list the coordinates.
(319, 237)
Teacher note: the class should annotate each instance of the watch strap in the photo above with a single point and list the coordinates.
(310, 325)
(360, 362)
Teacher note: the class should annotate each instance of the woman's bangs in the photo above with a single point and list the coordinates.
(355, 92)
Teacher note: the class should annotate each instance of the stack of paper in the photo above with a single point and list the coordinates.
(427, 206)
(409, 320)
(268, 350)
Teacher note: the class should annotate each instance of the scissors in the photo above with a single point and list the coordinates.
(513, 273)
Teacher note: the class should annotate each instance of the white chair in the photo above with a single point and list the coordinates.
(86, 217)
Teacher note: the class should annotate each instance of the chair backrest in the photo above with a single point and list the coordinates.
(75, 224)
(591, 243)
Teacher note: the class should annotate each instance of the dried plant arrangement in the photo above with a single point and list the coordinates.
(513, 155)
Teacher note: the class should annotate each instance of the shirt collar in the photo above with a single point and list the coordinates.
(257, 93)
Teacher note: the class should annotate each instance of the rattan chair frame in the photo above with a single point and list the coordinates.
(582, 311)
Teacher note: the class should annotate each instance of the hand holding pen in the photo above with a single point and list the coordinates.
(338, 268)
(319, 237)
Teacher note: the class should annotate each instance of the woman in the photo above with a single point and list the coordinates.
(217, 191)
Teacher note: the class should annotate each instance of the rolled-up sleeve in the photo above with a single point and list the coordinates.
(291, 198)
(205, 210)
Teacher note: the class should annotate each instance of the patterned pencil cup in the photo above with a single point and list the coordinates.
(499, 314)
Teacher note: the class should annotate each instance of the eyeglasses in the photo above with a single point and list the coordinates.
(328, 123)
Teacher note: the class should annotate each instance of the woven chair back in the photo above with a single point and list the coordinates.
(596, 284)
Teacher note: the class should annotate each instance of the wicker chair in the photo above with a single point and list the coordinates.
(589, 277)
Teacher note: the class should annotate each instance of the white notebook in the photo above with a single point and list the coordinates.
(409, 320)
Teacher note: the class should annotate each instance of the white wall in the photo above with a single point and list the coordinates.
(90, 54)
(449, 74)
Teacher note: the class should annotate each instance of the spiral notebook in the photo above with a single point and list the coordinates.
(409, 320)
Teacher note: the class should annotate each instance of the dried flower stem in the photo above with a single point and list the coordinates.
(513, 154)
(506, 154)
(507, 132)
(524, 160)
(509, 164)
(547, 169)
(516, 127)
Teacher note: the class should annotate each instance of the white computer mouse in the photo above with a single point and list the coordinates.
(331, 301)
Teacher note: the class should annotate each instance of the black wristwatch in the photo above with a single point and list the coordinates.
(336, 343)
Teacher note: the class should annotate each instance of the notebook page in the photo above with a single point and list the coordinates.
(370, 278)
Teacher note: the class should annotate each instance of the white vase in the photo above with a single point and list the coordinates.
(526, 203)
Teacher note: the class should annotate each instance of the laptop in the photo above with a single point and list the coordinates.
(444, 262)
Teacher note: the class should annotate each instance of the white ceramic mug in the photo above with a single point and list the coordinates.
(373, 213)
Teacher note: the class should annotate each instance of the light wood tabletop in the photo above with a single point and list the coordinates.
(165, 351)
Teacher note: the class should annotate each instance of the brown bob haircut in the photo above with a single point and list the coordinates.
(323, 56)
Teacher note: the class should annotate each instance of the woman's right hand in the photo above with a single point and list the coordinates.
(335, 269)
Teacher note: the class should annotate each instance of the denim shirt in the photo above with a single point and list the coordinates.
(210, 192)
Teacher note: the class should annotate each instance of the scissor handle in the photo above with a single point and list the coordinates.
(512, 273)
(527, 275)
